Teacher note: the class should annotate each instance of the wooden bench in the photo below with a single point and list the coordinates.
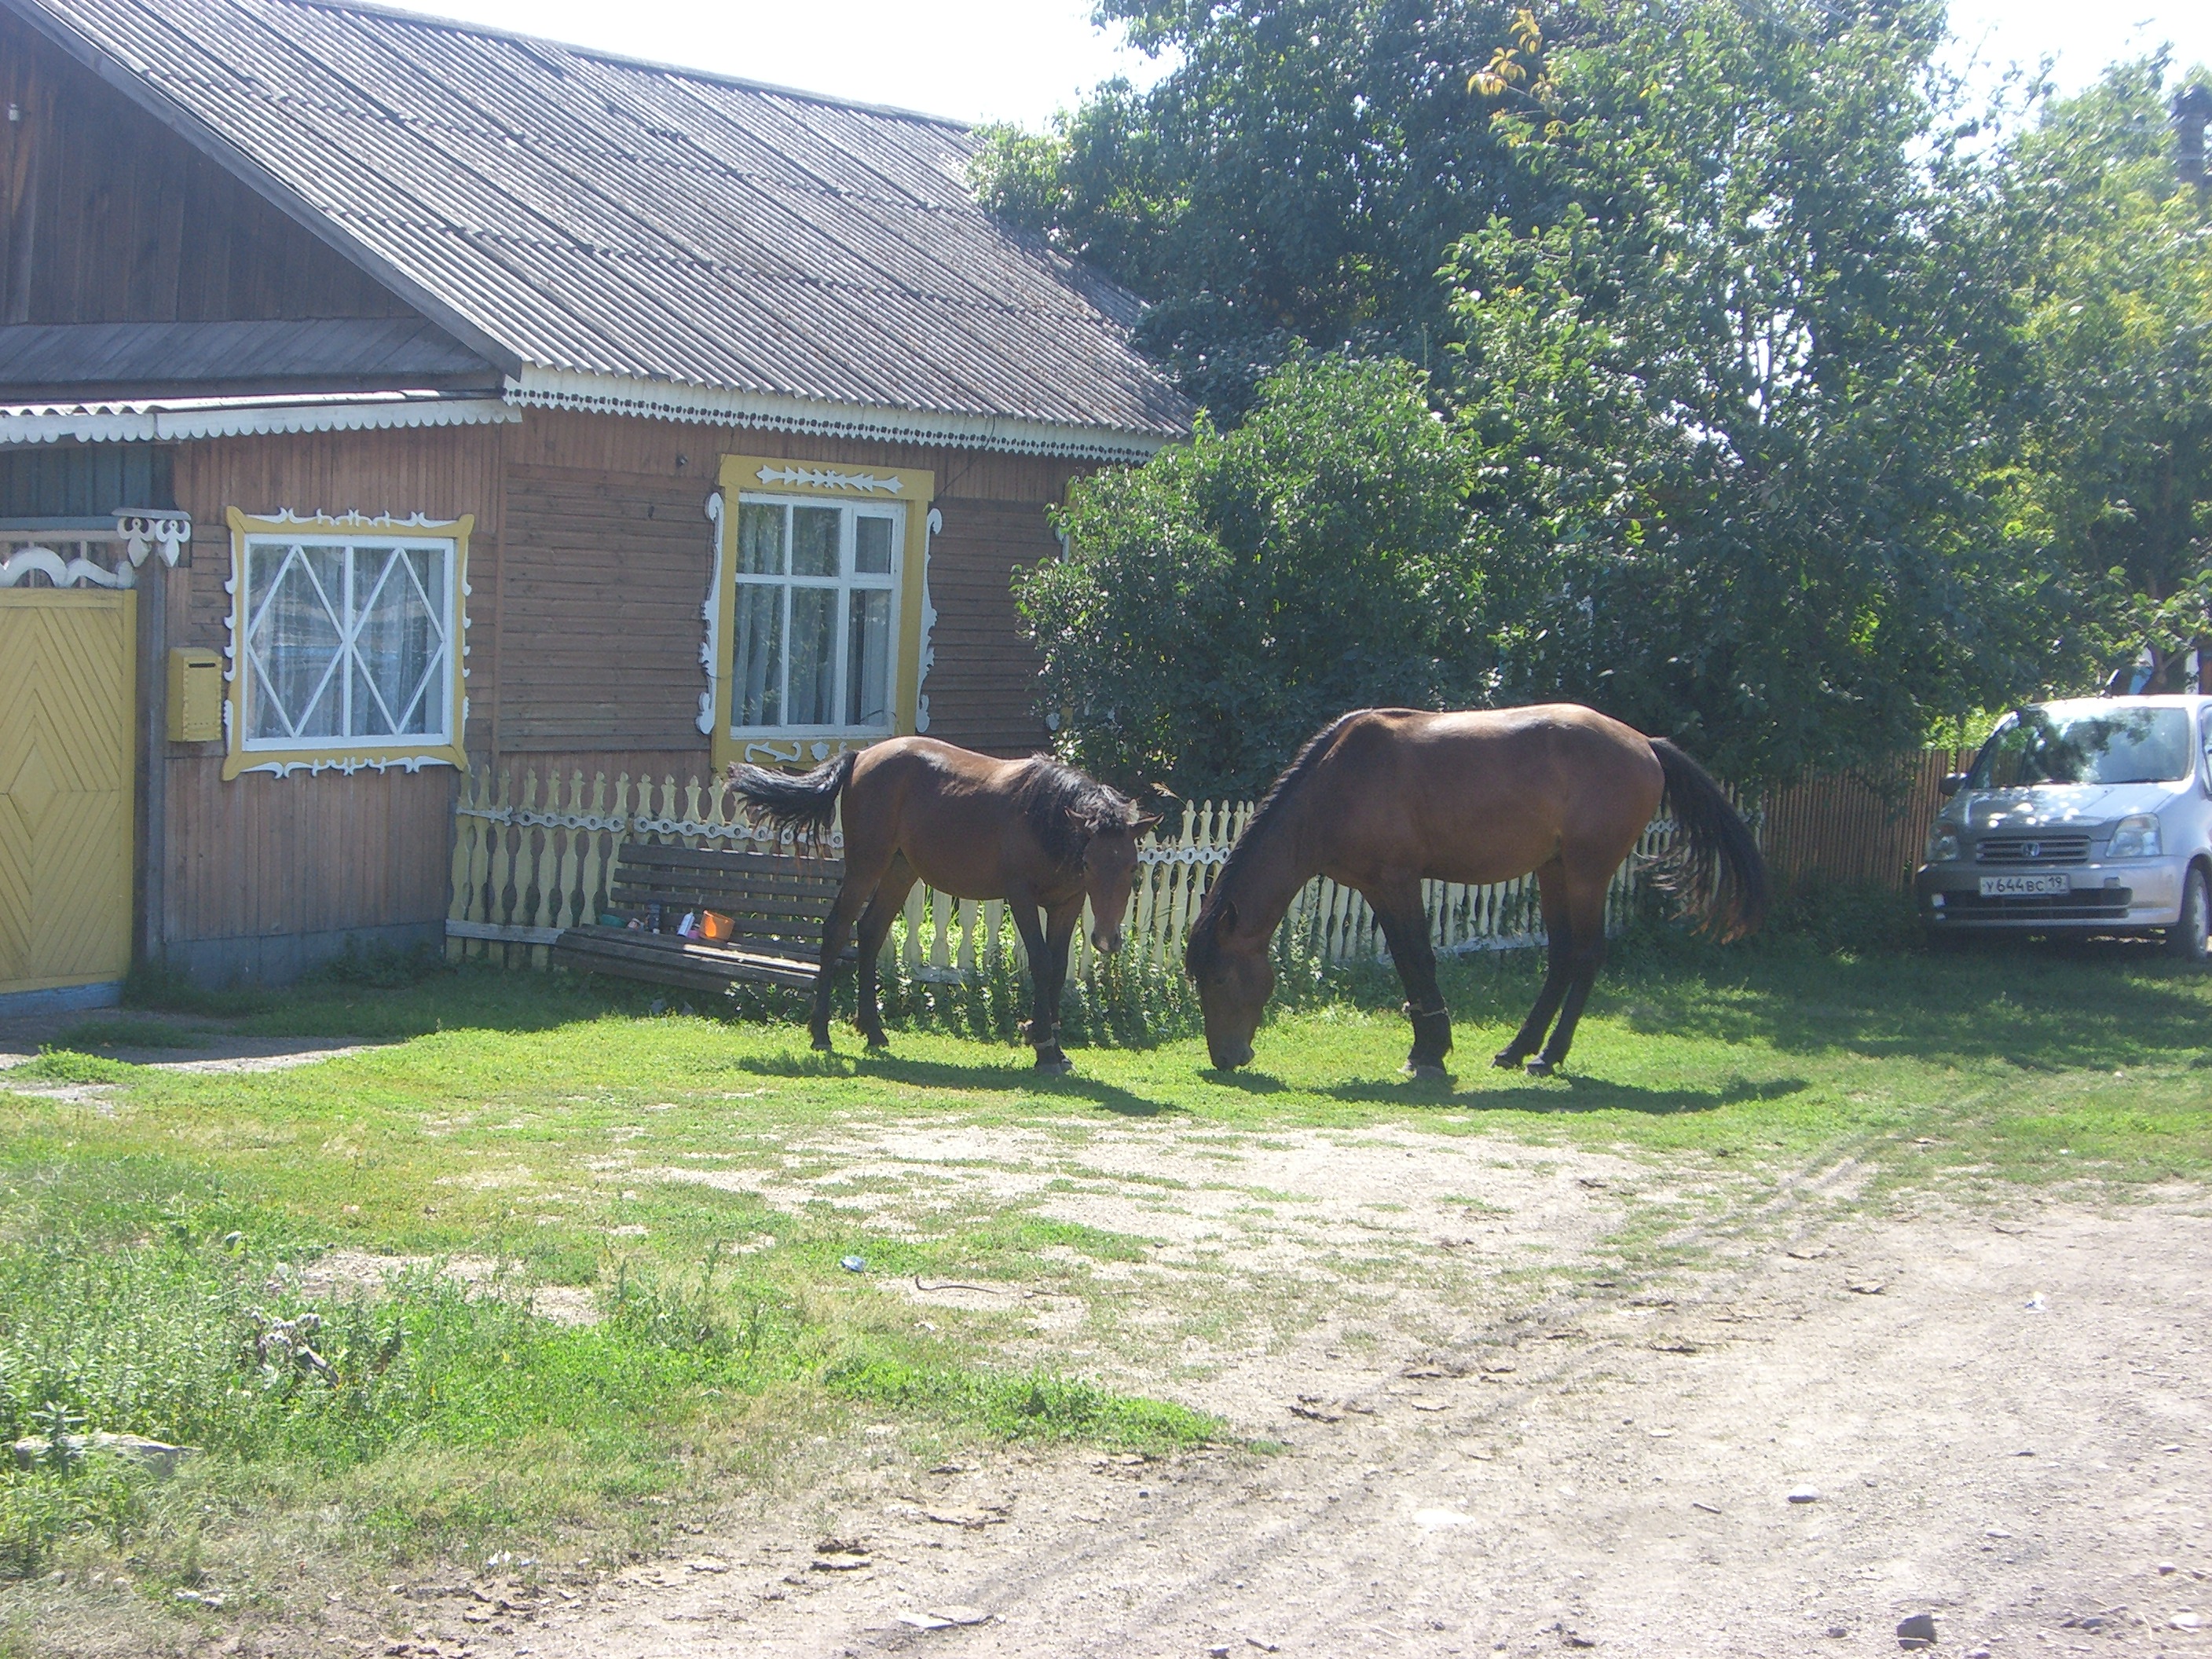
(776, 904)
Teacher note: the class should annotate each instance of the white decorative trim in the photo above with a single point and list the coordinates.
(140, 533)
(221, 418)
(933, 525)
(616, 394)
(710, 652)
(825, 479)
(45, 562)
(1155, 854)
(349, 766)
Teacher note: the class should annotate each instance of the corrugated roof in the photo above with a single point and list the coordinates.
(81, 359)
(593, 216)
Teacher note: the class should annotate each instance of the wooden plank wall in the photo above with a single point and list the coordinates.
(105, 216)
(983, 688)
(595, 496)
(588, 566)
(1863, 826)
(256, 860)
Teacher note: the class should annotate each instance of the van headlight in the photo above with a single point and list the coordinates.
(2135, 837)
(1943, 843)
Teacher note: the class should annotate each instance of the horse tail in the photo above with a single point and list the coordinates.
(1715, 865)
(804, 803)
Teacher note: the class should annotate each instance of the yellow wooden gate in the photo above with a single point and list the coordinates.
(67, 673)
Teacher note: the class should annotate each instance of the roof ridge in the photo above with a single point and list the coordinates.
(624, 60)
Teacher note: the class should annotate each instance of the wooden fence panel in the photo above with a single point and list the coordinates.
(1861, 826)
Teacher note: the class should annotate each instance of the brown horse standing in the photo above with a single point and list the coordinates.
(1385, 799)
(1042, 837)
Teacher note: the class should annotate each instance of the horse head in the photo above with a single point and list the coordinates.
(1111, 833)
(1235, 979)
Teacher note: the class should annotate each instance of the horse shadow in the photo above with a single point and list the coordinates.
(1568, 1092)
(940, 1075)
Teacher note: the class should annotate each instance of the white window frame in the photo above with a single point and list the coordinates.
(253, 539)
(846, 582)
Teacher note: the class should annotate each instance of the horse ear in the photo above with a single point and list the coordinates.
(1146, 822)
(1228, 915)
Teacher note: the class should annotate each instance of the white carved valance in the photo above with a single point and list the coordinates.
(93, 555)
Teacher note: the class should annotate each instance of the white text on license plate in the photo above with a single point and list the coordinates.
(2016, 886)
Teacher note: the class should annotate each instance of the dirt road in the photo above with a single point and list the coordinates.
(1829, 1415)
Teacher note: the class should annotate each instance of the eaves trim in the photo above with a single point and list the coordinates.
(609, 394)
(140, 423)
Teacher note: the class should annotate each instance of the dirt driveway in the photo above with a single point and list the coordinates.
(1823, 1415)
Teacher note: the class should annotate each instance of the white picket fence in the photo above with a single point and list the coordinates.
(533, 857)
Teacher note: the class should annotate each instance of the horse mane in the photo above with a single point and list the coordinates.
(1065, 808)
(1199, 949)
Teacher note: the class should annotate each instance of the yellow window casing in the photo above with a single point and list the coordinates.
(913, 488)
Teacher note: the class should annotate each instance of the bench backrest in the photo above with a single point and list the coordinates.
(772, 899)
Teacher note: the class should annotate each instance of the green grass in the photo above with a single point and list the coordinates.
(154, 1225)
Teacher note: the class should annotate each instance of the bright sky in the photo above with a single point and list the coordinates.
(1021, 60)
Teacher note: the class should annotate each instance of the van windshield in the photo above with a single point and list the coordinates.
(2104, 745)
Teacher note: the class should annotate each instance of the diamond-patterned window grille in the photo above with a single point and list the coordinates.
(347, 639)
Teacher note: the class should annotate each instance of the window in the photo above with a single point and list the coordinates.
(345, 642)
(813, 634)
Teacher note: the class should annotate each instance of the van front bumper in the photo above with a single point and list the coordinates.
(2137, 893)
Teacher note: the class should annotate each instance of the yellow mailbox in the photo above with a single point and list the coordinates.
(195, 695)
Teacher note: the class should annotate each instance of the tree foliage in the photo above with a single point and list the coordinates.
(1219, 603)
(1776, 408)
(2111, 258)
(1297, 178)
(1736, 405)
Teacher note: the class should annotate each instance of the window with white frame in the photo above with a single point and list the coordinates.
(347, 641)
(813, 628)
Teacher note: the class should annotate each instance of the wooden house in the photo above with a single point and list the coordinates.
(383, 398)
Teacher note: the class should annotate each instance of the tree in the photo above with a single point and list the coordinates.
(2111, 256)
(1224, 600)
(1297, 178)
(1737, 407)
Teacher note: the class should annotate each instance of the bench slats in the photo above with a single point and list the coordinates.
(665, 959)
(777, 903)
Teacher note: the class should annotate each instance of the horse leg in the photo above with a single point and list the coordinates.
(1051, 977)
(865, 866)
(1586, 913)
(1022, 904)
(1405, 927)
(875, 927)
(1552, 895)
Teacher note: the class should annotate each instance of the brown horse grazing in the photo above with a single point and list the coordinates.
(1038, 834)
(1386, 798)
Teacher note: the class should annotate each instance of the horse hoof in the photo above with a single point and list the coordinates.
(1058, 1066)
(1421, 1071)
(1537, 1066)
(1505, 1060)
(822, 1044)
(878, 1043)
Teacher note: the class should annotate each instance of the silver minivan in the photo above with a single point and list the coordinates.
(2093, 816)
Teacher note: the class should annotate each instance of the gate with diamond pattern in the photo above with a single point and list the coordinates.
(66, 698)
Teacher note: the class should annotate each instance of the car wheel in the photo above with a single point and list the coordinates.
(2185, 940)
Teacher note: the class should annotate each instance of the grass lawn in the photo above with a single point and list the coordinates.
(518, 1153)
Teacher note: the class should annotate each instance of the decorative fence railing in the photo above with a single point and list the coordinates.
(533, 855)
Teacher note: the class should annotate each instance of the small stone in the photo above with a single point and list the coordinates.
(1804, 1494)
(1917, 1631)
(853, 1264)
(1978, 1653)
(2188, 1621)
(1218, 1650)
(2166, 1567)
(1867, 1286)
(707, 1563)
(1838, 1632)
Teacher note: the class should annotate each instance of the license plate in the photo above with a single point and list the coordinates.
(2021, 887)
